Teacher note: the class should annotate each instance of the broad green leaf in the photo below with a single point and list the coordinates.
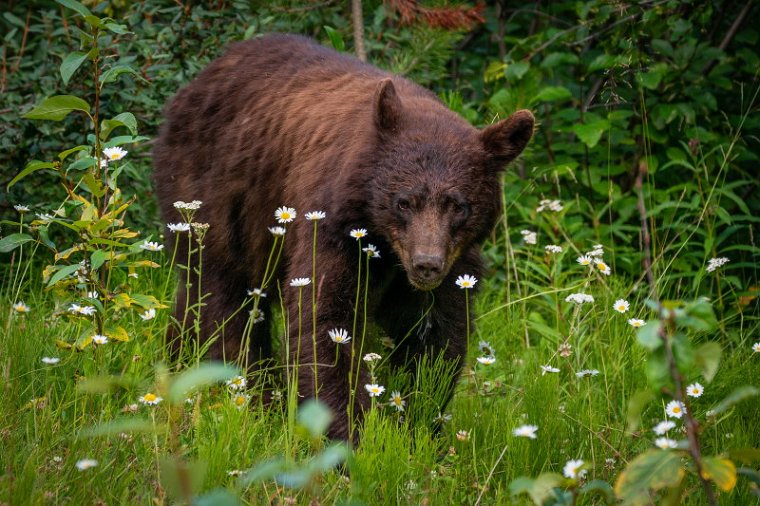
(62, 273)
(652, 470)
(65, 154)
(197, 377)
(58, 107)
(516, 70)
(117, 334)
(720, 470)
(330, 458)
(76, 6)
(32, 166)
(146, 301)
(735, 397)
(335, 39)
(14, 20)
(263, 471)
(128, 425)
(636, 406)
(116, 28)
(182, 478)
(707, 358)
(590, 133)
(551, 94)
(70, 64)
(600, 487)
(114, 72)
(699, 316)
(13, 241)
(125, 119)
(747, 455)
(315, 417)
(98, 258)
(539, 489)
(651, 79)
(648, 336)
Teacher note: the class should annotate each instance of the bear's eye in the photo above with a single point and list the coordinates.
(403, 205)
(458, 209)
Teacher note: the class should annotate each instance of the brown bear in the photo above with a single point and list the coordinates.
(282, 121)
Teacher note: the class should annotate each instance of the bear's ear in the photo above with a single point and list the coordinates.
(388, 107)
(507, 138)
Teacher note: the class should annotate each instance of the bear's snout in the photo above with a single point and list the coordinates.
(428, 268)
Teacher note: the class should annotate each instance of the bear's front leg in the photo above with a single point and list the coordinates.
(326, 363)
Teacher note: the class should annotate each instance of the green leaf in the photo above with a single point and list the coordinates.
(13, 241)
(740, 394)
(114, 72)
(330, 458)
(636, 406)
(197, 377)
(62, 273)
(590, 133)
(315, 417)
(335, 39)
(76, 6)
(600, 487)
(648, 336)
(539, 489)
(746, 455)
(516, 70)
(98, 258)
(58, 107)
(70, 64)
(707, 358)
(125, 119)
(181, 478)
(552, 94)
(263, 471)
(720, 470)
(699, 316)
(65, 154)
(652, 470)
(116, 28)
(14, 20)
(33, 166)
(651, 80)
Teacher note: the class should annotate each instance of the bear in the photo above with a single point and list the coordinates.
(281, 123)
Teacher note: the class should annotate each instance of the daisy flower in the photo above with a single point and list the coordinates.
(285, 214)
(756, 347)
(99, 339)
(148, 314)
(92, 294)
(374, 389)
(237, 383)
(663, 427)
(50, 360)
(665, 443)
(714, 263)
(548, 368)
(396, 401)
(21, 209)
(584, 260)
(339, 336)
(579, 298)
(636, 323)
(466, 281)
(150, 399)
(587, 372)
(358, 233)
(315, 215)
(85, 310)
(695, 390)
(621, 306)
(675, 409)
(299, 282)
(603, 267)
(597, 251)
(487, 360)
(372, 357)
(553, 248)
(256, 292)
(551, 205)
(151, 246)
(528, 236)
(371, 251)
(179, 227)
(257, 315)
(277, 231)
(240, 400)
(85, 464)
(485, 348)
(528, 431)
(115, 153)
(573, 469)
(463, 435)
(20, 307)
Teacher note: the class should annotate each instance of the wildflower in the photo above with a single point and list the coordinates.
(466, 281)
(695, 390)
(115, 153)
(256, 292)
(573, 469)
(621, 306)
(609, 463)
(396, 401)
(85, 464)
(579, 298)
(151, 246)
(148, 314)
(257, 315)
(675, 409)
(442, 418)
(714, 263)
(665, 443)
(179, 227)
(130, 408)
(358, 233)
(552, 248)
(603, 267)
(277, 231)
(299, 282)
(372, 357)
(551, 205)
(234, 472)
(487, 360)
(92, 294)
(85, 310)
(636, 323)
(99, 339)
(50, 360)
(339, 336)
(133, 275)
(200, 227)
(597, 251)
(57, 459)
(548, 368)
(584, 260)
(20, 307)
(485, 348)
(45, 217)
(463, 435)
(528, 236)
(371, 251)
(663, 427)
(315, 215)
(565, 349)
(150, 399)
(190, 206)
(388, 343)
(756, 347)
(237, 383)
(374, 389)
(103, 163)
(528, 431)
(240, 400)
(587, 372)
(21, 209)
(285, 214)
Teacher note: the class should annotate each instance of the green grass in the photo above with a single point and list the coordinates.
(396, 462)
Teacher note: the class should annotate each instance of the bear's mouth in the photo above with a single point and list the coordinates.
(424, 285)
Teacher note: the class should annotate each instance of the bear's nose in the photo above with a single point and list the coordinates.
(427, 267)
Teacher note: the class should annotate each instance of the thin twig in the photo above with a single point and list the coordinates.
(729, 36)
(358, 20)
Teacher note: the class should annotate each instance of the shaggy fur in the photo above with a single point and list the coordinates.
(281, 120)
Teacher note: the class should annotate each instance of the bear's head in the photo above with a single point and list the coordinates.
(436, 185)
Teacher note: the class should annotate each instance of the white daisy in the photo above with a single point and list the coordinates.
(299, 282)
(50, 360)
(695, 390)
(256, 292)
(553, 248)
(21, 209)
(240, 400)
(85, 310)
(573, 469)
(548, 368)
(99, 339)
(756, 347)
(151, 246)
(636, 323)
(587, 372)
(397, 401)
(371, 251)
(621, 306)
(148, 314)
(20, 307)
(315, 215)
(663, 427)
(602, 267)
(528, 431)
(179, 227)
(584, 260)
(358, 233)
(285, 214)
(339, 336)
(487, 360)
(675, 409)
(466, 281)
(665, 443)
(150, 399)
(115, 153)
(85, 464)
(485, 348)
(374, 389)
(463, 435)
(237, 383)
(277, 231)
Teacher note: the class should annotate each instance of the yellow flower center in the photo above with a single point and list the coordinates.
(285, 216)
(602, 266)
(676, 409)
(114, 156)
(239, 400)
(149, 397)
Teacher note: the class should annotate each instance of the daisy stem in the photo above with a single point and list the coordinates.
(314, 306)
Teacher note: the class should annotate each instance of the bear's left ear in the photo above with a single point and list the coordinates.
(388, 109)
(507, 138)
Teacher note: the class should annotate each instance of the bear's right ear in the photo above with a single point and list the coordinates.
(388, 107)
(507, 138)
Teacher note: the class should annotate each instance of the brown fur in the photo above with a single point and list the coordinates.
(280, 120)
